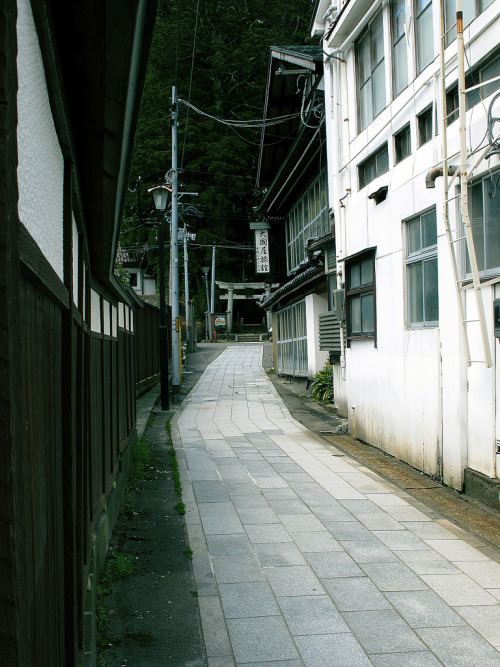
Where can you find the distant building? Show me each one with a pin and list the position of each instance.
(292, 168)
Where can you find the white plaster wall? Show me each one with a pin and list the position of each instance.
(95, 311)
(316, 359)
(75, 263)
(40, 161)
(149, 288)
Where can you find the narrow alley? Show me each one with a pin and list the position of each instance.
(304, 557)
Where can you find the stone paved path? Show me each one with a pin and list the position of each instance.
(304, 557)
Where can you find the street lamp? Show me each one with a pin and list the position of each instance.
(205, 270)
(160, 197)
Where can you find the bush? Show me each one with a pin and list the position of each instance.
(322, 384)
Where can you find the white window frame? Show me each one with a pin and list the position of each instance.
(484, 248)
(423, 14)
(399, 46)
(376, 77)
(421, 256)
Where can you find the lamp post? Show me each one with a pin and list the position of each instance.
(205, 270)
(174, 259)
(160, 197)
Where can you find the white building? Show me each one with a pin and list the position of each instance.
(404, 377)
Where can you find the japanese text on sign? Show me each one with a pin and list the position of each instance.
(262, 251)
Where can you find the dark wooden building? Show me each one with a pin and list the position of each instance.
(71, 77)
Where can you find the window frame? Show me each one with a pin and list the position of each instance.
(419, 18)
(359, 291)
(421, 256)
(303, 217)
(486, 272)
(395, 43)
(423, 116)
(450, 16)
(373, 159)
(369, 33)
(404, 131)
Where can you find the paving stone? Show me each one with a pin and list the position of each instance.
(406, 659)
(393, 577)
(486, 620)
(355, 594)
(293, 580)
(333, 649)
(427, 562)
(277, 554)
(460, 647)
(316, 541)
(262, 639)
(335, 564)
(371, 551)
(458, 590)
(424, 609)
(382, 632)
(267, 533)
(237, 568)
(311, 615)
(245, 600)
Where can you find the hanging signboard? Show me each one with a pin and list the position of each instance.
(262, 264)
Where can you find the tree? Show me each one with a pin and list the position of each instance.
(216, 54)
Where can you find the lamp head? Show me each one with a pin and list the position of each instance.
(160, 196)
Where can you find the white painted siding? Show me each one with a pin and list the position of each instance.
(40, 160)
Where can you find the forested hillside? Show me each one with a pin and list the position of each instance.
(216, 53)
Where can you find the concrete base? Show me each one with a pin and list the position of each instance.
(486, 489)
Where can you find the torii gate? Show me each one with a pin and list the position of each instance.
(230, 296)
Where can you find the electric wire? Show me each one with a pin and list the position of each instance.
(191, 78)
(248, 124)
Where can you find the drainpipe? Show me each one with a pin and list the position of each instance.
(436, 172)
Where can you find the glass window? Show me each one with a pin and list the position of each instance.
(402, 143)
(399, 49)
(484, 211)
(470, 8)
(425, 36)
(308, 218)
(371, 72)
(424, 123)
(360, 296)
(373, 166)
(487, 69)
(422, 270)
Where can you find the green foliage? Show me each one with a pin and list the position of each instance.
(141, 464)
(322, 385)
(116, 566)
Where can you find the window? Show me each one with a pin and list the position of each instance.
(488, 69)
(291, 340)
(422, 270)
(133, 279)
(424, 123)
(402, 143)
(307, 219)
(360, 295)
(399, 50)
(452, 103)
(371, 72)
(484, 211)
(470, 8)
(424, 36)
(372, 167)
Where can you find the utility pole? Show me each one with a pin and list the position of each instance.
(174, 259)
(212, 306)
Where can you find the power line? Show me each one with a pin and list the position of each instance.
(248, 124)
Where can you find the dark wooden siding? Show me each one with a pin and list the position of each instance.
(147, 323)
